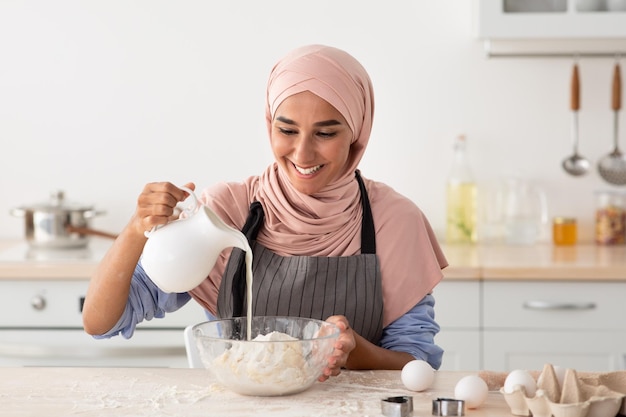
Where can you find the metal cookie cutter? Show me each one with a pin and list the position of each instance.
(397, 406)
(448, 407)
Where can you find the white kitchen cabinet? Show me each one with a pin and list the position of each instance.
(577, 325)
(518, 324)
(461, 349)
(597, 351)
(457, 310)
(549, 19)
(41, 325)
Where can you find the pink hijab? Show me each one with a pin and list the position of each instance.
(329, 222)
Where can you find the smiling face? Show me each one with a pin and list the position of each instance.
(310, 141)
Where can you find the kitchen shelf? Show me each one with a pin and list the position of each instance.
(558, 29)
(568, 49)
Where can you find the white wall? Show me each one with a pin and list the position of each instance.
(99, 97)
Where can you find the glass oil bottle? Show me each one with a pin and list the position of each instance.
(461, 197)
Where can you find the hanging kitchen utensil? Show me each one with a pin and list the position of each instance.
(612, 168)
(576, 164)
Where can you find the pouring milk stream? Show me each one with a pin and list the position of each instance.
(179, 255)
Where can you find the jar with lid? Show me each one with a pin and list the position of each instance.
(610, 218)
(564, 231)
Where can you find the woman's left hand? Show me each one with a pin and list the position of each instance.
(343, 346)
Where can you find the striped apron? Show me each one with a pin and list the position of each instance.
(307, 286)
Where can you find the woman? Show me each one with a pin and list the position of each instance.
(367, 258)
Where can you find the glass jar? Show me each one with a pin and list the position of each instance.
(564, 231)
(610, 218)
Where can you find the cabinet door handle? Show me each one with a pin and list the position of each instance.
(554, 305)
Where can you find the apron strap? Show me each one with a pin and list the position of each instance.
(254, 221)
(368, 231)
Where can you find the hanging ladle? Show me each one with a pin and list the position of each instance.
(612, 168)
(576, 164)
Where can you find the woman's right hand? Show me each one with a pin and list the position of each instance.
(110, 284)
(156, 205)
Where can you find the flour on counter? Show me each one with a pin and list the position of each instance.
(266, 369)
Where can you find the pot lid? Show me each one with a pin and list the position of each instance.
(57, 203)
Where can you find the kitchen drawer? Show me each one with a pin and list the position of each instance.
(74, 347)
(554, 305)
(457, 304)
(57, 303)
(596, 351)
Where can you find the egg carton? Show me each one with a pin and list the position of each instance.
(574, 398)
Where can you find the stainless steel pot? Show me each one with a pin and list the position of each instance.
(58, 224)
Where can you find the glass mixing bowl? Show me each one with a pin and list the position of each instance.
(285, 355)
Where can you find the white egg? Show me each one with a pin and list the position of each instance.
(472, 389)
(522, 378)
(417, 375)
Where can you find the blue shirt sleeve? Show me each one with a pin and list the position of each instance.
(145, 302)
(415, 332)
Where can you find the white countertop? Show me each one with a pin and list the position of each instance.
(153, 392)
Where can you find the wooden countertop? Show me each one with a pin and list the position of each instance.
(193, 392)
(583, 262)
(19, 261)
(587, 262)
